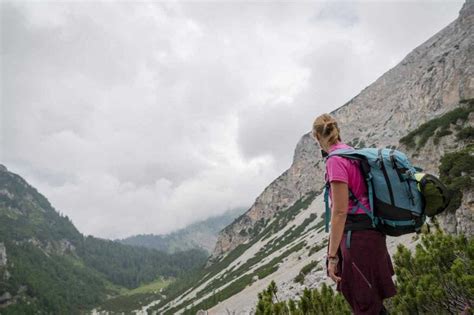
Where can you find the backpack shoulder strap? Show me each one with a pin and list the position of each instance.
(339, 152)
(351, 154)
(327, 213)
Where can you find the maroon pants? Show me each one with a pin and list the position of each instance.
(366, 271)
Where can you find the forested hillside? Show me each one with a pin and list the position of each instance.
(48, 265)
(201, 234)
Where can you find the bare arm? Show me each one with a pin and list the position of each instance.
(340, 202)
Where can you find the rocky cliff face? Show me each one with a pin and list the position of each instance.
(282, 192)
(428, 157)
(428, 82)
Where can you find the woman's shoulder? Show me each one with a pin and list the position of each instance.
(336, 159)
(341, 162)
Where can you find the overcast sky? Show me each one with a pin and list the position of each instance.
(146, 117)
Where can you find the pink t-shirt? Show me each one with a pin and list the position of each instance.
(347, 171)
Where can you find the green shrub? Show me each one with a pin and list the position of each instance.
(299, 278)
(419, 136)
(456, 170)
(316, 248)
(441, 133)
(317, 301)
(465, 134)
(243, 232)
(305, 270)
(437, 279)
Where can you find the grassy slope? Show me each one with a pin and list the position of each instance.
(135, 299)
(234, 280)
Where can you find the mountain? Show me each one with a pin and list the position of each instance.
(423, 106)
(201, 234)
(48, 266)
(428, 82)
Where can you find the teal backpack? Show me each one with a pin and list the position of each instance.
(399, 195)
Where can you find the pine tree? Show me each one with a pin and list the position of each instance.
(438, 278)
(323, 301)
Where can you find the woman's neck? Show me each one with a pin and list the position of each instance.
(335, 144)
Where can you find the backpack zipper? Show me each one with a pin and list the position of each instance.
(365, 279)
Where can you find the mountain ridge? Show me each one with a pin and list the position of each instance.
(202, 234)
(432, 79)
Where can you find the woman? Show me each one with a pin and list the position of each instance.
(358, 261)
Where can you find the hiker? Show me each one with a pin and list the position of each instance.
(360, 264)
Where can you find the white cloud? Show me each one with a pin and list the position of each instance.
(145, 117)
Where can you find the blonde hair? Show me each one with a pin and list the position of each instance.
(325, 127)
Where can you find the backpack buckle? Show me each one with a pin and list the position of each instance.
(378, 162)
(392, 159)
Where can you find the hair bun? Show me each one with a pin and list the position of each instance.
(329, 126)
(325, 126)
